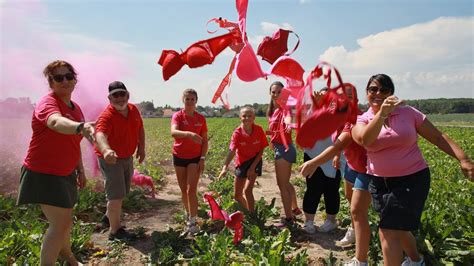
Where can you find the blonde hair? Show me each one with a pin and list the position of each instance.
(247, 108)
(190, 91)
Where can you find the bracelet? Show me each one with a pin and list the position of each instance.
(79, 128)
(203, 157)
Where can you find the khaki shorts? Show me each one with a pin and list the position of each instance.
(117, 177)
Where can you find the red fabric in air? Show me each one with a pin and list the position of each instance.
(171, 63)
(271, 48)
(287, 68)
(203, 52)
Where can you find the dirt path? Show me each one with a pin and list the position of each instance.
(168, 203)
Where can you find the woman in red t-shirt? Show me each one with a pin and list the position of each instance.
(284, 157)
(53, 162)
(189, 130)
(248, 142)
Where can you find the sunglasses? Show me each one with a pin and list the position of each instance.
(382, 90)
(60, 78)
(119, 94)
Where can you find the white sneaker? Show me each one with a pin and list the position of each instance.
(327, 226)
(349, 238)
(355, 262)
(409, 262)
(309, 228)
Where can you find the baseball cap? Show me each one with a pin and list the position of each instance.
(116, 86)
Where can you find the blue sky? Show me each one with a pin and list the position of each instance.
(426, 46)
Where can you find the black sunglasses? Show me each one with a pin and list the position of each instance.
(382, 90)
(119, 94)
(60, 78)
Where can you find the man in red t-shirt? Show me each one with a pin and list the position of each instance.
(119, 133)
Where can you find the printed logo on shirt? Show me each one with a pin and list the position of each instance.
(198, 124)
(243, 143)
(256, 142)
(185, 122)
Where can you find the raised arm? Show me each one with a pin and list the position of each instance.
(63, 125)
(103, 145)
(428, 131)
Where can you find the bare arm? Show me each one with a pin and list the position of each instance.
(428, 131)
(228, 159)
(179, 134)
(63, 125)
(309, 167)
(204, 148)
(365, 135)
(103, 145)
(141, 145)
(81, 174)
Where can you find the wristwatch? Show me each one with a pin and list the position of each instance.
(79, 128)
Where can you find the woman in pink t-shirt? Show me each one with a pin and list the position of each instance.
(189, 130)
(53, 167)
(400, 177)
(284, 157)
(247, 143)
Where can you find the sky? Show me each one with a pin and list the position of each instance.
(426, 46)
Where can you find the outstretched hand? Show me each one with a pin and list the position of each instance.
(389, 104)
(88, 131)
(467, 168)
(307, 169)
(110, 156)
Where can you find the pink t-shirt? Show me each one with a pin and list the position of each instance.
(355, 154)
(247, 146)
(274, 125)
(51, 152)
(395, 152)
(185, 148)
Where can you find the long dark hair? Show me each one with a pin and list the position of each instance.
(271, 106)
(384, 81)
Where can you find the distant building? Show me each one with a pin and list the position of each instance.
(168, 113)
(16, 108)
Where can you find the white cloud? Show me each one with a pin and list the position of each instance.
(428, 60)
(270, 28)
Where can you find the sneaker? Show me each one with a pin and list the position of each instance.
(355, 262)
(122, 234)
(192, 228)
(309, 228)
(349, 238)
(409, 262)
(297, 212)
(327, 226)
(284, 222)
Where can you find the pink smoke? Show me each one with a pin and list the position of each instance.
(27, 46)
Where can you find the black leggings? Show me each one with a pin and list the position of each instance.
(319, 184)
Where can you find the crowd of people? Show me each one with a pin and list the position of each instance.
(381, 163)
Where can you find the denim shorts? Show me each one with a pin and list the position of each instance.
(359, 181)
(399, 201)
(280, 152)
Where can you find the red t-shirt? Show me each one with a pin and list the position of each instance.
(51, 152)
(274, 126)
(247, 146)
(122, 132)
(355, 154)
(185, 148)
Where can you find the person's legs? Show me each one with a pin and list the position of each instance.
(409, 245)
(60, 222)
(239, 184)
(181, 175)
(391, 246)
(359, 211)
(114, 210)
(249, 193)
(192, 174)
(283, 173)
(294, 200)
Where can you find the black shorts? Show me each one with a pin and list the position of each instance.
(241, 170)
(399, 201)
(59, 191)
(184, 162)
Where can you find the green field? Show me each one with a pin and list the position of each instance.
(446, 235)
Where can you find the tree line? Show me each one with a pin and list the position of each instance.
(427, 106)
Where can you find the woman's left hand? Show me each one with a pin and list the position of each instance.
(467, 168)
(81, 179)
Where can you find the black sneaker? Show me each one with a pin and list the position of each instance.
(122, 234)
